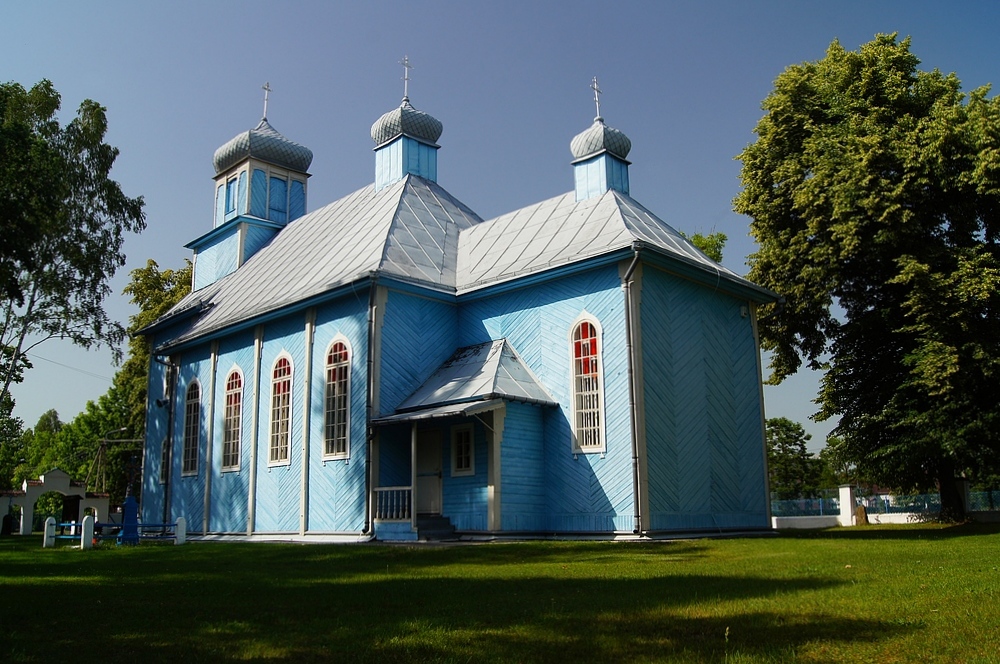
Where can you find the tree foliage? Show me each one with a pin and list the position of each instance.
(874, 193)
(116, 420)
(711, 245)
(792, 471)
(63, 221)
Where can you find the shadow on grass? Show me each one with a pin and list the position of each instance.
(923, 531)
(499, 603)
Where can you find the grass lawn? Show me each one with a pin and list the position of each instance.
(878, 594)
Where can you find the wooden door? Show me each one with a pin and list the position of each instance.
(428, 487)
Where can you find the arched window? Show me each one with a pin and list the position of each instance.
(192, 429)
(338, 383)
(232, 421)
(281, 411)
(588, 397)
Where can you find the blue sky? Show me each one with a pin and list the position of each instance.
(684, 80)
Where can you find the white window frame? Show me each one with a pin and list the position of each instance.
(576, 382)
(281, 412)
(232, 438)
(328, 441)
(191, 438)
(458, 432)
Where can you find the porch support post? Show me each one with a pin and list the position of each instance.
(413, 476)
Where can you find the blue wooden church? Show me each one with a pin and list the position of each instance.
(572, 367)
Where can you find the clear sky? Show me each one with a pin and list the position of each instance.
(509, 80)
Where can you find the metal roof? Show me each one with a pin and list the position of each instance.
(409, 230)
(561, 231)
(408, 121)
(491, 370)
(599, 138)
(263, 142)
(416, 231)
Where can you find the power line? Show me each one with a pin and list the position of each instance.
(66, 366)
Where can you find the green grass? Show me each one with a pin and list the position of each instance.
(878, 594)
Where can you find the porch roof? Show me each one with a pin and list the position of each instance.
(474, 379)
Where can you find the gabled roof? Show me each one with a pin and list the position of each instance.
(491, 370)
(562, 230)
(408, 230)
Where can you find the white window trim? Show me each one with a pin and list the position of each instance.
(455, 432)
(287, 461)
(184, 431)
(346, 454)
(586, 317)
(225, 407)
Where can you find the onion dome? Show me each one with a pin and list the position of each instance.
(600, 138)
(265, 143)
(407, 121)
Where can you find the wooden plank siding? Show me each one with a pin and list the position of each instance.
(187, 495)
(278, 486)
(228, 507)
(522, 475)
(418, 335)
(155, 437)
(337, 487)
(702, 408)
(464, 499)
(584, 492)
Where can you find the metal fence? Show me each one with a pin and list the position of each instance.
(927, 503)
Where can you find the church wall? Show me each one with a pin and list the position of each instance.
(337, 486)
(418, 334)
(187, 494)
(522, 469)
(279, 485)
(584, 492)
(704, 446)
(464, 498)
(217, 259)
(229, 488)
(152, 494)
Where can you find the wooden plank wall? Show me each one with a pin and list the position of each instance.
(702, 408)
(584, 492)
(337, 487)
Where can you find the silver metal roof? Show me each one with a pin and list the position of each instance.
(491, 370)
(409, 230)
(263, 142)
(409, 121)
(561, 231)
(416, 231)
(600, 138)
(451, 410)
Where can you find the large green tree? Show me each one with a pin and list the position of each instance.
(874, 193)
(63, 221)
(792, 471)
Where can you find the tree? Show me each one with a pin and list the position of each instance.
(11, 449)
(711, 245)
(63, 221)
(874, 193)
(791, 470)
(154, 292)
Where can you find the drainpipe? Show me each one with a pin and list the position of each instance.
(370, 401)
(167, 459)
(632, 388)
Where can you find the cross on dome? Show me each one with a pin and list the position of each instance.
(597, 100)
(406, 75)
(267, 90)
